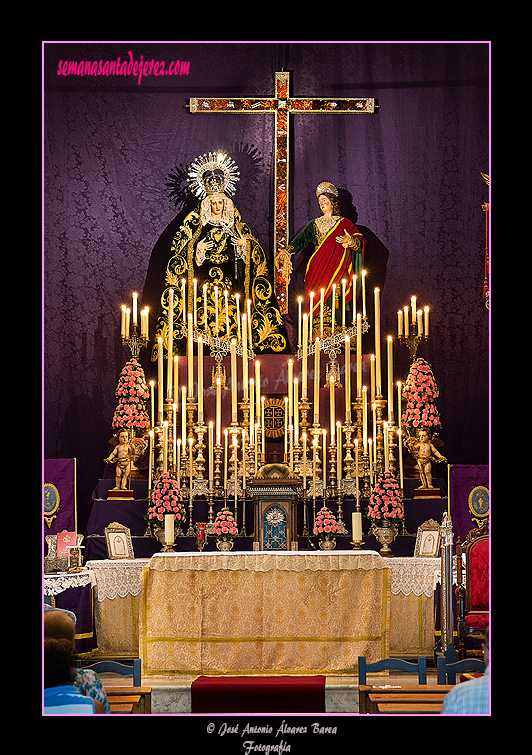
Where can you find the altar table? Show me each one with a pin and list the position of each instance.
(118, 585)
(264, 613)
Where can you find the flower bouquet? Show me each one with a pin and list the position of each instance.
(225, 529)
(132, 394)
(385, 510)
(326, 527)
(165, 499)
(419, 393)
(386, 501)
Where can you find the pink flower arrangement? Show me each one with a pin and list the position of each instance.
(224, 525)
(166, 499)
(132, 393)
(325, 525)
(386, 501)
(419, 392)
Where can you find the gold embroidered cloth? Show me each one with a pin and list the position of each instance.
(264, 613)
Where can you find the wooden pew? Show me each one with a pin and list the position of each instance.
(124, 703)
(392, 691)
(412, 709)
(115, 693)
(414, 702)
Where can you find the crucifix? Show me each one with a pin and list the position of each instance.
(281, 105)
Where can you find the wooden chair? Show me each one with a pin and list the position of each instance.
(447, 671)
(387, 664)
(473, 598)
(125, 698)
(393, 664)
(385, 701)
(124, 695)
(410, 708)
(113, 667)
(418, 694)
(124, 703)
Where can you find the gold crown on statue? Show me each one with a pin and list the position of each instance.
(213, 173)
(326, 187)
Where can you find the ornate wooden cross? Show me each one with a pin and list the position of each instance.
(281, 105)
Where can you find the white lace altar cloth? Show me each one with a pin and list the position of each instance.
(117, 578)
(55, 584)
(415, 576)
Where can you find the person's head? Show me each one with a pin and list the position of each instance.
(217, 204)
(59, 633)
(328, 201)
(327, 195)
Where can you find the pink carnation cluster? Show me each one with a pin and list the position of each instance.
(166, 499)
(132, 393)
(386, 501)
(224, 525)
(325, 525)
(419, 393)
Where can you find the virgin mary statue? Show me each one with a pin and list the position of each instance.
(217, 269)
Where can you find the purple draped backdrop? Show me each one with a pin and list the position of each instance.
(413, 170)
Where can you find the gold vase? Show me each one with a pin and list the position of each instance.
(224, 545)
(327, 545)
(385, 535)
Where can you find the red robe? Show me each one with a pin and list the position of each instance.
(331, 263)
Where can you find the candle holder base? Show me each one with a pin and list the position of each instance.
(357, 544)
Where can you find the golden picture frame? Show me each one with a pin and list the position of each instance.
(428, 540)
(118, 541)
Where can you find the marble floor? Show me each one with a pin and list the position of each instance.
(171, 695)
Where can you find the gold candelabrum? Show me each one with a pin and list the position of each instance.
(346, 466)
(413, 326)
(129, 327)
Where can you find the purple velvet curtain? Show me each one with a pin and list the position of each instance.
(114, 148)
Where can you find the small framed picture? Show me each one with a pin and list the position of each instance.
(428, 540)
(118, 539)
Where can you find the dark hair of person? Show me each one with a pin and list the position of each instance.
(57, 662)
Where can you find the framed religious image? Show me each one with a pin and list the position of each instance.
(118, 539)
(428, 540)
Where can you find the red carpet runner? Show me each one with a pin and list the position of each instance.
(255, 694)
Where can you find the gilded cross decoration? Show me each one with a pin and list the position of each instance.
(281, 105)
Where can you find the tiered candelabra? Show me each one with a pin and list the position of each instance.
(334, 462)
(413, 326)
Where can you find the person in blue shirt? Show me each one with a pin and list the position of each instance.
(472, 697)
(60, 696)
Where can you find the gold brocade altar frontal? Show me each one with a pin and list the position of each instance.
(263, 613)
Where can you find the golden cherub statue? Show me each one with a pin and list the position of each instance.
(425, 452)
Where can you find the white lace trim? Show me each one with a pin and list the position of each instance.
(54, 584)
(118, 577)
(121, 577)
(415, 576)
